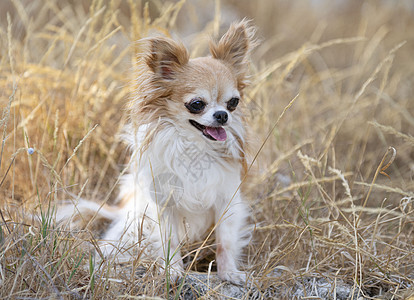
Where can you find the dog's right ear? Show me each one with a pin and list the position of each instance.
(234, 48)
(165, 57)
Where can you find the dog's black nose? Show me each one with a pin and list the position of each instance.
(221, 116)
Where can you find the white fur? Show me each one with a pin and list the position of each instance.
(208, 196)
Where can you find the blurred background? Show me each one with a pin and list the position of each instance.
(61, 40)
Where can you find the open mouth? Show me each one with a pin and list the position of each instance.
(213, 133)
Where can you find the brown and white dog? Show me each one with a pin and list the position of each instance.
(187, 131)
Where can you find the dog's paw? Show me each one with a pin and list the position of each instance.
(235, 277)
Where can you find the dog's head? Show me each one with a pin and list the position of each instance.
(200, 96)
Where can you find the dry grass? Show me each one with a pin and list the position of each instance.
(326, 201)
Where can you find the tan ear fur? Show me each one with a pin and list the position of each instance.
(234, 47)
(166, 57)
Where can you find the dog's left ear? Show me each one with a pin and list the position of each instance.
(166, 57)
(234, 47)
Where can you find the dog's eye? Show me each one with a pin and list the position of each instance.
(232, 103)
(195, 106)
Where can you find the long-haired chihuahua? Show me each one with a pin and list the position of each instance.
(187, 134)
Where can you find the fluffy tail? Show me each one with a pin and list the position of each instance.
(86, 215)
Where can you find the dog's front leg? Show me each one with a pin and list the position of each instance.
(231, 238)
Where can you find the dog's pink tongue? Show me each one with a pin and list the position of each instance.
(219, 133)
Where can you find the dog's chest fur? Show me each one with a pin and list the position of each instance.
(183, 179)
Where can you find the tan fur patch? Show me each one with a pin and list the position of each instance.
(166, 75)
(91, 221)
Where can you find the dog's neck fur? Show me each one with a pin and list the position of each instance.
(196, 161)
